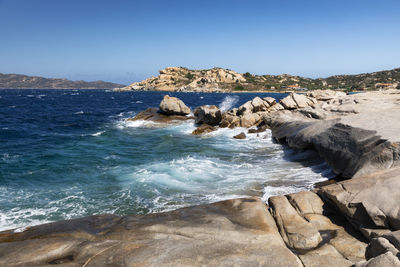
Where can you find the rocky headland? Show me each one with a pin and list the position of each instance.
(353, 220)
(19, 81)
(182, 79)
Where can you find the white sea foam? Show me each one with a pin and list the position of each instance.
(228, 102)
(79, 112)
(98, 133)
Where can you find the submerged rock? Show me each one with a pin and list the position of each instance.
(204, 128)
(240, 136)
(173, 106)
(210, 115)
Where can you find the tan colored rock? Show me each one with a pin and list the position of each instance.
(246, 108)
(325, 95)
(303, 101)
(306, 202)
(238, 232)
(297, 232)
(173, 106)
(229, 120)
(210, 115)
(326, 256)
(288, 102)
(259, 104)
(249, 120)
(276, 107)
(270, 100)
(369, 201)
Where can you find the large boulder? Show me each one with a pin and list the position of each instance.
(249, 120)
(229, 119)
(210, 115)
(255, 105)
(173, 106)
(295, 101)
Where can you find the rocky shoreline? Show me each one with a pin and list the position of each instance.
(353, 222)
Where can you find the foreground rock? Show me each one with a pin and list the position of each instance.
(210, 115)
(173, 106)
(238, 232)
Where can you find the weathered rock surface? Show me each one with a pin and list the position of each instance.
(173, 106)
(295, 101)
(370, 201)
(238, 232)
(315, 231)
(203, 129)
(353, 143)
(210, 115)
(295, 230)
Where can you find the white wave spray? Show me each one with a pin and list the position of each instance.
(228, 102)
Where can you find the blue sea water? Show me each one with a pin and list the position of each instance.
(71, 153)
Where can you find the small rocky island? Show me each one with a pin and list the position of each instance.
(182, 79)
(353, 220)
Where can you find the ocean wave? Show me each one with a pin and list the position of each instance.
(79, 112)
(98, 133)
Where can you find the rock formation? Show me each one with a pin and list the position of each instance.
(173, 106)
(207, 114)
(353, 222)
(183, 79)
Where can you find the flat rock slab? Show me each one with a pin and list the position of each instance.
(152, 114)
(238, 232)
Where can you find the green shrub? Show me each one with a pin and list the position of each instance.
(238, 88)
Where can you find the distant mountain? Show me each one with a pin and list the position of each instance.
(18, 81)
(224, 80)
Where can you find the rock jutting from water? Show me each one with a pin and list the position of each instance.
(353, 222)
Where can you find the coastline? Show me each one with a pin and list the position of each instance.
(334, 222)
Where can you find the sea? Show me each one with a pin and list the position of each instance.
(70, 153)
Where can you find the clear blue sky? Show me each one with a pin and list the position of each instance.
(126, 41)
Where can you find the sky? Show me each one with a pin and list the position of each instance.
(127, 41)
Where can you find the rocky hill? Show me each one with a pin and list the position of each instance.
(218, 79)
(18, 81)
